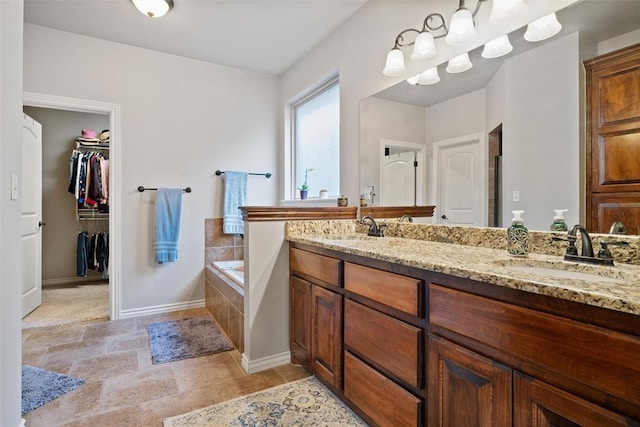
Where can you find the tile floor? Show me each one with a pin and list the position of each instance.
(123, 387)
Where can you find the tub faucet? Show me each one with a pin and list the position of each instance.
(374, 230)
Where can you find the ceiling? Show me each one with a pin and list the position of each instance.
(596, 20)
(264, 36)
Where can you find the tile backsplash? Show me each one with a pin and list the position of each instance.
(219, 246)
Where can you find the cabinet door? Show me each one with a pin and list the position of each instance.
(537, 404)
(326, 335)
(465, 388)
(300, 320)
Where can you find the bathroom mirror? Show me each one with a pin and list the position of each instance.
(526, 110)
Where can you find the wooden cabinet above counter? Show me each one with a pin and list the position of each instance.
(435, 346)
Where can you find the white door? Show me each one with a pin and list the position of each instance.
(399, 179)
(31, 215)
(459, 181)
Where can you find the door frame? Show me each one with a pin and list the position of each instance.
(54, 102)
(435, 171)
(421, 179)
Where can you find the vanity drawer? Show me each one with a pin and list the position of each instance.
(394, 290)
(382, 400)
(588, 354)
(323, 268)
(385, 341)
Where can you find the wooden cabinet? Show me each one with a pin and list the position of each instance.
(315, 318)
(541, 405)
(326, 335)
(466, 389)
(299, 320)
(613, 140)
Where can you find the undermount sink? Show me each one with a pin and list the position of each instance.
(565, 270)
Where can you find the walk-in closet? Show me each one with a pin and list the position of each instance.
(75, 213)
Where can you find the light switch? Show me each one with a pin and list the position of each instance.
(516, 195)
(14, 186)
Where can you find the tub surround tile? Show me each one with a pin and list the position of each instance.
(479, 254)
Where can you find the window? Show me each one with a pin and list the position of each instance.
(316, 140)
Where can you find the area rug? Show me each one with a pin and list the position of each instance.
(62, 304)
(305, 402)
(40, 387)
(186, 338)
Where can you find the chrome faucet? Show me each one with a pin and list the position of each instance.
(407, 217)
(374, 230)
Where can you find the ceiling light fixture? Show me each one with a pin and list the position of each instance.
(153, 8)
(461, 30)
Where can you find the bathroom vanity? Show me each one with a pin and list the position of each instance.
(415, 332)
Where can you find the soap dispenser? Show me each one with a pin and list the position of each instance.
(517, 236)
(559, 223)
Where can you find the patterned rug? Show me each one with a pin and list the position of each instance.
(186, 338)
(305, 402)
(40, 387)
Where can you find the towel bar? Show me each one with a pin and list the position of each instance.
(143, 188)
(268, 174)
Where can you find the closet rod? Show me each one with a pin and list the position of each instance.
(143, 188)
(268, 174)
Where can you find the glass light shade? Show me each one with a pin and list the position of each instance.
(497, 47)
(459, 64)
(461, 29)
(153, 8)
(543, 28)
(424, 47)
(395, 63)
(505, 10)
(413, 80)
(429, 76)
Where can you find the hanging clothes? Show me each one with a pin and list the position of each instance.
(82, 253)
(89, 179)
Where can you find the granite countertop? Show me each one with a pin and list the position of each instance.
(615, 288)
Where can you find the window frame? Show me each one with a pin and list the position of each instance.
(316, 91)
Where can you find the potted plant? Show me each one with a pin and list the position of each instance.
(304, 188)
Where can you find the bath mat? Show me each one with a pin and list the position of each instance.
(40, 387)
(305, 402)
(186, 338)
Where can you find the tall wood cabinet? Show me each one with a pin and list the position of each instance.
(613, 140)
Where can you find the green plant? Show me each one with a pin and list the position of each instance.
(305, 186)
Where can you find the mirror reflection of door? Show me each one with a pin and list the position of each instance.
(403, 171)
(459, 180)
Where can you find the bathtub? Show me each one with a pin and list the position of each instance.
(234, 270)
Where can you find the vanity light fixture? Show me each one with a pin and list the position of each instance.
(459, 64)
(429, 76)
(543, 28)
(153, 8)
(497, 47)
(461, 30)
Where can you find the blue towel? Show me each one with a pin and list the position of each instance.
(167, 224)
(235, 194)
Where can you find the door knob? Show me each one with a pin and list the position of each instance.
(444, 217)
(41, 224)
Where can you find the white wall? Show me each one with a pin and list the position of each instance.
(382, 119)
(358, 49)
(11, 17)
(181, 120)
(541, 133)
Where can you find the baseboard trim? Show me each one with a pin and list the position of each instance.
(161, 309)
(264, 363)
(69, 280)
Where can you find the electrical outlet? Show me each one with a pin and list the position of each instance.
(516, 195)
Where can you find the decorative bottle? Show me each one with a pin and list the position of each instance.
(517, 236)
(559, 224)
